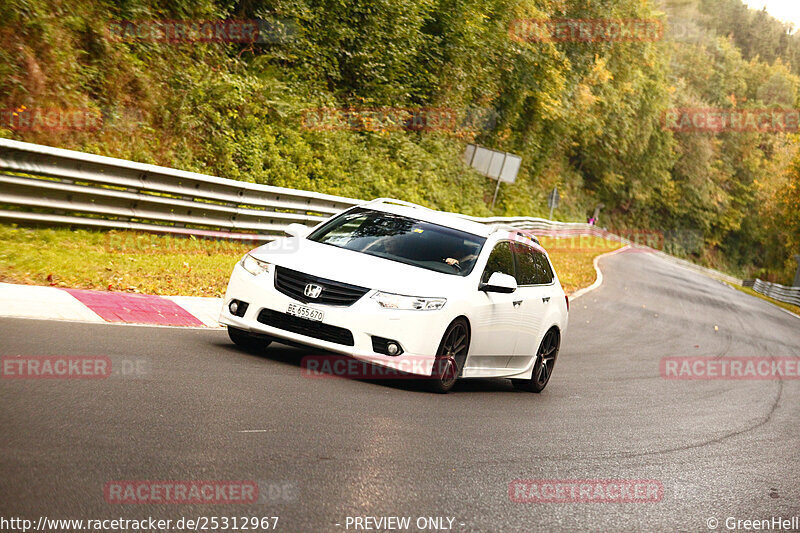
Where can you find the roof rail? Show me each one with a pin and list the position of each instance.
(515, 230)
(395, 201)
(501, 226)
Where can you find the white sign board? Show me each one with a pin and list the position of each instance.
(501, 166)
(510, 168)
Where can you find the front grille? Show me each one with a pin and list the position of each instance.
(292, 283)
(310, 328)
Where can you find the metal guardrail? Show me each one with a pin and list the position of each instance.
(782, 293)
(56, 186)
(41, 184)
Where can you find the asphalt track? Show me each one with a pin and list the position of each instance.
(332, 448)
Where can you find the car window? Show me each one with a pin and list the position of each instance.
(544, 272)
(500, 260)
(526, 264)
(402, 239)
(533, 268)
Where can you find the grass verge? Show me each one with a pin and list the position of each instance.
(573, 258)
(161, 264)
(117, 261)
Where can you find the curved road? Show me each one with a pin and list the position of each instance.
(324, 449)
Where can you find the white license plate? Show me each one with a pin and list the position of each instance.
(305, 312)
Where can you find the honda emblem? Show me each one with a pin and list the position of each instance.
(312, 291)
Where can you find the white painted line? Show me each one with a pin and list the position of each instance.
(48, 303)
(599, 281)
(206, 310)
(253, 430)
(786, 311)
(37, 302)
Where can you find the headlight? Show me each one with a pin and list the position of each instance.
(388, 300)
(253, 265)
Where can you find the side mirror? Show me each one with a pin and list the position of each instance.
(499, 282)
(297, 230)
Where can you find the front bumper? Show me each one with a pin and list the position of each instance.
(418, 332)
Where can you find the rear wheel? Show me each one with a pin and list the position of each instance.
(450, 356)
(248, 341)
(545, 361)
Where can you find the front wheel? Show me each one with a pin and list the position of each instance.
(450, 356)
(248, 341)
(545, 361)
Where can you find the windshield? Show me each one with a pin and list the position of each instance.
(402, 239)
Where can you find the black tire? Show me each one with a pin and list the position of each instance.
(545, 362)
(248, 341)
(450, 356)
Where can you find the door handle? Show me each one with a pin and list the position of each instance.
(546, 299)
(517, 303)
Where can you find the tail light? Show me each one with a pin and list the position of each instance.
(567, 299)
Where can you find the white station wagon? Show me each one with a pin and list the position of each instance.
(402, 286)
